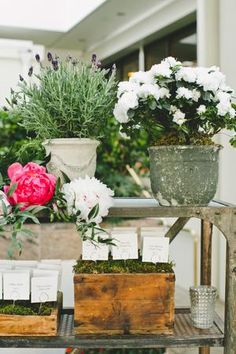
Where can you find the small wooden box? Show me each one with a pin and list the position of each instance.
(18, 325)
(124, 303)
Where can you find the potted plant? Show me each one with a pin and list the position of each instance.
(181, 109)
(67, 106)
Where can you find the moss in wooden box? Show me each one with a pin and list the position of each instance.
(25, 308)
(123, 297)
(26, 319)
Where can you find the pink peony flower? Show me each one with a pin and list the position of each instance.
(34, 185)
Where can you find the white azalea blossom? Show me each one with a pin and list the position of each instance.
(121, 113)
(126, 86)
(223, 108)
(83, 194)
(179, 117)
(201, 109)
(171, 93)
(196, 95)
(147, 90)
(186, 74)
(142, 77)
(172, 62)
(183, 92)
(162, 69)
(173, 109)
(164, 92)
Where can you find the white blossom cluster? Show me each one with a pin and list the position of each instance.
(202, 88)
(83, 194)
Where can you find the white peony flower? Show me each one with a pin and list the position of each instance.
(183, 92)
(172, 62)
(164, 92)
(141, 77)
(147, 90)
(201, 109)
(179, 117)
(186, 74)
(162, 69)
(83, 194)
(196, 95)
(126, 86)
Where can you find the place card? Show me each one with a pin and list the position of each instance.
(16, 285)
(155, 249)
(48, 273)
(98, 252)
(126, 246)
(0, 286)
(44, 288)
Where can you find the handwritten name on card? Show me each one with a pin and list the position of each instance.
(16, 285)
(155, 249)
(126, 246)
(43, 289)
(93, 252)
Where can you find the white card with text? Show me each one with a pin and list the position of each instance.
(126, 246)
(16, 285)
(48, 273)
(44, 288)
(98, 252)
(0, 286)
(155, 249)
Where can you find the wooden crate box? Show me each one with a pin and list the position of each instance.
(124, 303)
(18, 325)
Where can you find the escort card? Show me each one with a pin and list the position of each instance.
(0, 286)
(48, 273)
(155, 249)
(126, 246)
(16, 285)
(44, 289)
(98, 252)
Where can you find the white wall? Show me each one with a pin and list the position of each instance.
(15, 58)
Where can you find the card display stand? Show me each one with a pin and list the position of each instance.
(220, 214)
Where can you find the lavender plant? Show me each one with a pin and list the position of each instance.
(68, 99)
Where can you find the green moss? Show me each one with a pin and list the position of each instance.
(121, 266)
(25, 308)
(180, 139)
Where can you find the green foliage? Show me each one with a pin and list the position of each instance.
(25, 308)
(69, 99)
(113, 156)
(14, 143)
(121, 266)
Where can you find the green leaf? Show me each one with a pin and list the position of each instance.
(1, 180)
(4, 208)
(12, 189)
(93, 212)
(66, 178)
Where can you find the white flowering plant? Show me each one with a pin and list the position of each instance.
(87, 201)
(176, 104)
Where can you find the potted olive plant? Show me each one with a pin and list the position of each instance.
(67, 106)
(181, 109)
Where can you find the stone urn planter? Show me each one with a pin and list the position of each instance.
(73, 156)
(184, 175)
